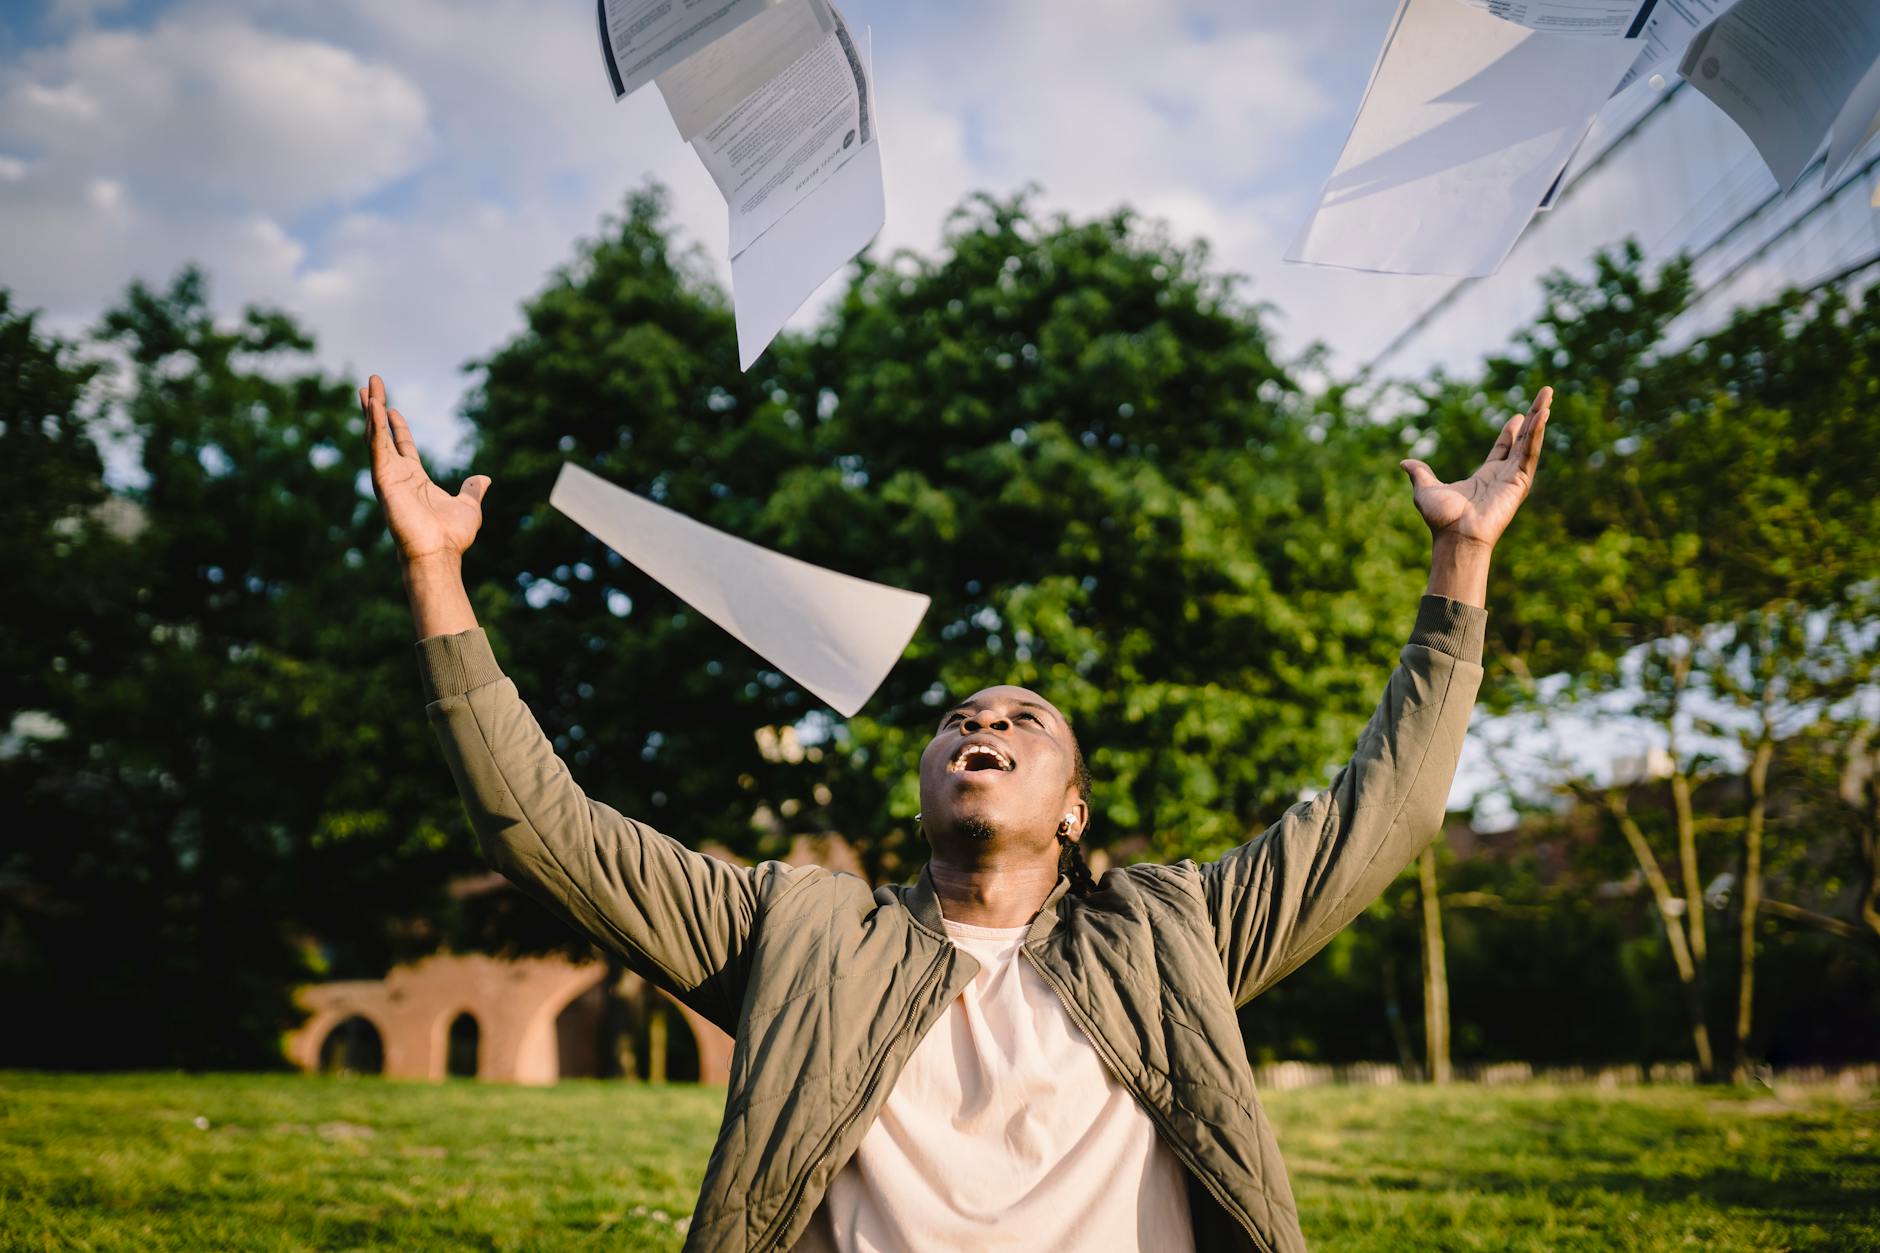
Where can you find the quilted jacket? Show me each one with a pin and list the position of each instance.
(827, 985)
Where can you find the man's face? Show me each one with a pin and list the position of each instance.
(1000, 772)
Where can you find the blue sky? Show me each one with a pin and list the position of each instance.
(403, 174)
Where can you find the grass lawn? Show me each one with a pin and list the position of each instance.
(160, 1162)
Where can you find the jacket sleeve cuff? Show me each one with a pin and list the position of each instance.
(450, 665)
(1449, 626)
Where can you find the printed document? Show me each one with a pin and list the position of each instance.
(1466, 124)
(1668, 34)
(641, 38)
(836, 635)
(1784, 70)
(710, 84)
(1606, 19)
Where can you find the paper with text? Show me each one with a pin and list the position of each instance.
(642, 38)
(1784, 70)
(836, 635)
(1605, 19)
(1467, 123)
(1673, 24)
(711, 83)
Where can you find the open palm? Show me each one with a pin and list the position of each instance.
(425, 520)
(1480, 507)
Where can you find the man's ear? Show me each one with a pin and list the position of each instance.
(1076, 813)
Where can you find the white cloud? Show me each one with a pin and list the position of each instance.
(403, 176)
(201, 114)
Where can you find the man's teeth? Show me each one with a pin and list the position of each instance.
(978, 752)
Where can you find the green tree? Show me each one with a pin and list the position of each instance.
(233, 766)
(1697, 495)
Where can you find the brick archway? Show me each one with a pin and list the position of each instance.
(515, 1004)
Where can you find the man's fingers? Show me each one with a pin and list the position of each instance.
(1421, 476)
(378, 427)
(1504, 442)
(474, 487)
(1533, 439)
(401, 435)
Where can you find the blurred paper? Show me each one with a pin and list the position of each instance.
(1783, 70)
(1669, 33)
(1858, 124)
(837, 636)
(1466, 125)
(711, 83)
(1606, 19)
(643, 38)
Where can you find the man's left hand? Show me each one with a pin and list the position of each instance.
(1476, 510)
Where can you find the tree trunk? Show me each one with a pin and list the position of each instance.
(656, 1026)
(1750, 901)
(1668, 912)
(1687, 823)
(1393, 1009)
(1435, 974)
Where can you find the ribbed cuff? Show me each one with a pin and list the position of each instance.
(1449, 626)
(450, 665)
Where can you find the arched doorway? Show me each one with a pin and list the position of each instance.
(354, 1047)
(460, 1056)
(626, 1030)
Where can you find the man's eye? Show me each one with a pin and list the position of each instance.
(1031, 718)
(951, 719)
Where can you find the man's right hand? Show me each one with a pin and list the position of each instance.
(427, 522)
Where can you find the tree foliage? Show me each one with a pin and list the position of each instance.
(221, 763)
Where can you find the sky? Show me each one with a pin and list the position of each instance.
(402, 175)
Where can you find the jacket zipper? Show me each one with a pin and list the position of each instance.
(1156, 1116)
(774, 1232)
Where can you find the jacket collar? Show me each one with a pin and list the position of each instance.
(923, 902)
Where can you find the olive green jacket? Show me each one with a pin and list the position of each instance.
(827, 984)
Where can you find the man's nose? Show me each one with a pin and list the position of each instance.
(976, 723)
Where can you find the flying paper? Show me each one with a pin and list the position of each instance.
(1669, 33)
(640, 38)
(1466, 124)
(1858, 124)
(776, 97)
(1607, 19)
(1784, 70)
(837, 636)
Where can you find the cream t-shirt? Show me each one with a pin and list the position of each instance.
(1005, 1131)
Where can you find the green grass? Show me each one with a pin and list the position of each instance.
(160, 1162)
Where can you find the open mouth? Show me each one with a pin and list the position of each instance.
(976, 757)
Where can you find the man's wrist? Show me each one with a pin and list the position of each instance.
(432, 566)
(1459, 569)
(439, 603)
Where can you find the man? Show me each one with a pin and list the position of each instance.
(1005, 1054)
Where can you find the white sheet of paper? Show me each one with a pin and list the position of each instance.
(1466, 124)
(641, 39)
(1858, 124)
(1783, 70)
(836, 635)
(1669, 32)
(783, 267)
(1605, 19)
(711, 82)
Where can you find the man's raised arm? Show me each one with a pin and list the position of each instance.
(678, 917)
(1279, 898)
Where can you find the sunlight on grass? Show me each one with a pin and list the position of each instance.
(171, 1162)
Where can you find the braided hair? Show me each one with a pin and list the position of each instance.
(1071, 859)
